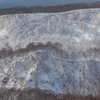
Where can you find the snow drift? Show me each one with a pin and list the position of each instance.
(58, 52)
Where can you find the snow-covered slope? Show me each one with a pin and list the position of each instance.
(55, 51)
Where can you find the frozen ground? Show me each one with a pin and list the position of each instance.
(64, 57)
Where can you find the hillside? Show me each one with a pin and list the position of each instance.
(56, 52)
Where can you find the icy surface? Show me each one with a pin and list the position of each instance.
(75, 67)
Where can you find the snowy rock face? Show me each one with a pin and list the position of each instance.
(57, 51)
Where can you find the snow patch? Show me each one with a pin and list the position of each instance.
(3, 33)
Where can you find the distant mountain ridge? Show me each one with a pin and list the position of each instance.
(49, 9)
